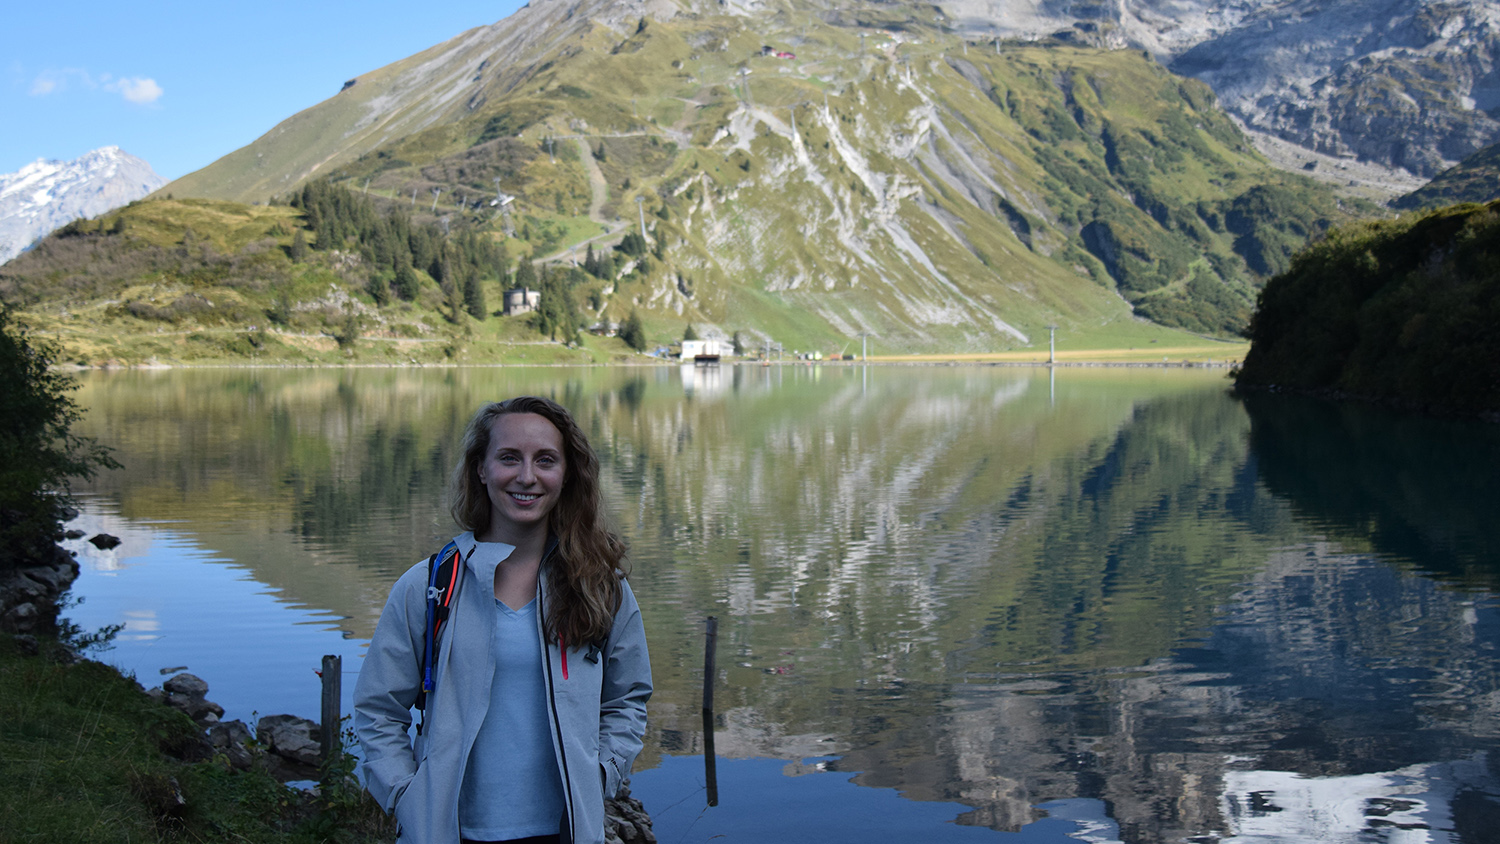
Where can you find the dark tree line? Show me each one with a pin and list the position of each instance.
(396, 248)
(1401, 311)
(606, 265)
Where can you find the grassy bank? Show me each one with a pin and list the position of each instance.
(88, 757)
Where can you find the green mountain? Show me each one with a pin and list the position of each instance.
(1475, 179)
(805, 175)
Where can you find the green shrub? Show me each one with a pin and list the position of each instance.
(39, 453)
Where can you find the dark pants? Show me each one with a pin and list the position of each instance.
(535, 839)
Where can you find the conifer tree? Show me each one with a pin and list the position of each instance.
(633, 332)
(691, 333)
(557, 315)
(502, 262)
(526, 275)
(379, 288)
(299, 246)
(453, 300)
(474, 294)
(406, 284)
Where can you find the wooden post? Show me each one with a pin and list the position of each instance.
(710, 774)
(333, 669)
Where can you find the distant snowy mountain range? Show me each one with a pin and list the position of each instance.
(44, 194)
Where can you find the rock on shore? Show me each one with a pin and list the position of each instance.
(30, 597)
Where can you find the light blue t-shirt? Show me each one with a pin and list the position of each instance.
(511, 787)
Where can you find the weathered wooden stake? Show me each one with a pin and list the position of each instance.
(710, 773)
(333, 672)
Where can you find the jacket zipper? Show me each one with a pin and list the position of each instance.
(562, 744)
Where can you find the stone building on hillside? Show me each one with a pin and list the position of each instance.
(520, 300)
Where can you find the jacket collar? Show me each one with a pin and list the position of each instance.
(483, 570)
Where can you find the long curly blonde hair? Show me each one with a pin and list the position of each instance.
(585, 570)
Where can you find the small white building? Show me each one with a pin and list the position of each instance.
(702, 349)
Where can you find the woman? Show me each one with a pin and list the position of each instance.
(540, 676)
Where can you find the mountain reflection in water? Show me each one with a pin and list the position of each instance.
(994, 587)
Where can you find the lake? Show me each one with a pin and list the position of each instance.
(955, 603)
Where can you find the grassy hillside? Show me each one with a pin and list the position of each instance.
(1400, 311)
(1475, 179)
(209, 281)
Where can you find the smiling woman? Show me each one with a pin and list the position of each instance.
(540, 674)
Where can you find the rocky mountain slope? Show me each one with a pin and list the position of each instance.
(1408, 84)
(943, 191)
(1412, 84)
(45, 195)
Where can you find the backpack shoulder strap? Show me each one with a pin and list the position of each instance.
(443, 576)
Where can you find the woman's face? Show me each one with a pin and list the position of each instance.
(523, 471)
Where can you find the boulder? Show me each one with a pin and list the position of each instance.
(29, 596)
(185, 693)
(190, 685)
(291, 737)
(626, 821)
(232, 738)
(21, 618)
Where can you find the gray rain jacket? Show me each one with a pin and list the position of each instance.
(596, 700)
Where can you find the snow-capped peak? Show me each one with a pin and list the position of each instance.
(48, 193)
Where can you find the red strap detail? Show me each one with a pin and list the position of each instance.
(452, 579)
(563, 646)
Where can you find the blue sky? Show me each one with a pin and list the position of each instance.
(181, 84)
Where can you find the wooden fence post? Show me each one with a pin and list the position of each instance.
(333, 671)
(710, 773)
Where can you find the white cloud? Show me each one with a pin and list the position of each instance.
(57, 81)
(137, 89)
(140, 90)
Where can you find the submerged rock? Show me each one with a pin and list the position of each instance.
(105, 541)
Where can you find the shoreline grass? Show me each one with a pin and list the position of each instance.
(91, 758)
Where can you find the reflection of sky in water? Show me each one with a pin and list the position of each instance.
(1413, 804)
(182, 606)
(760, 802)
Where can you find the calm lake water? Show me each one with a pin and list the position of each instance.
(954, 603)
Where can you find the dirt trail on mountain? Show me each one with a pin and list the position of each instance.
(599, 194)
(598, 188)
